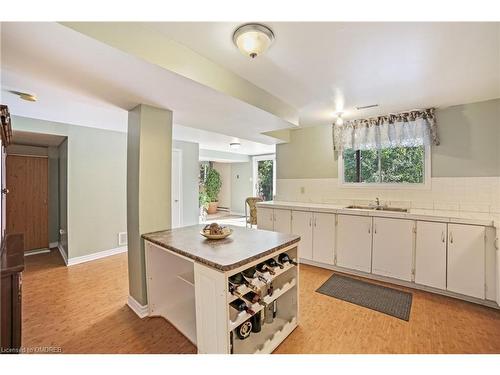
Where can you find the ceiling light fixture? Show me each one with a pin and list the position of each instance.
(235, 145)
(253, 39)
(25, 96)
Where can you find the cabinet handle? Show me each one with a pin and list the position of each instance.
(310, 221)
(375, 228)
(442, 236)
(315, 221)
(369, 229)
(451, 237)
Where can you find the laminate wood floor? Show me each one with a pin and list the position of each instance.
(82, 309)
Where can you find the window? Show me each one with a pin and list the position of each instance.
(400, 165)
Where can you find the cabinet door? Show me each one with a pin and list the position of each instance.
(265, 218)
(392, 248)
(323, 237)
(430, 254)
(354, 242)
(466, 259)
(282, 221)
(302, 226)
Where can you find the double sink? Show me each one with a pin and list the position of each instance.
(378, 208)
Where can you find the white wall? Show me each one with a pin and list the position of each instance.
(190, 172)
(241, 186)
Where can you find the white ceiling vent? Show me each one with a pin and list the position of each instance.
(122, 238)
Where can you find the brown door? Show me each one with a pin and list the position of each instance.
(27, 209)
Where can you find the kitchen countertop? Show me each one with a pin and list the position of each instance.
(458, 217)
(243, 246)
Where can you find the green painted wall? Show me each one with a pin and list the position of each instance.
(470, 146)
(53, 194)
(63, 195)
(470, 141)
(149, 202)
(96, 183)
(308, 155)
(241, 185)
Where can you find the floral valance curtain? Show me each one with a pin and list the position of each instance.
(406, 129)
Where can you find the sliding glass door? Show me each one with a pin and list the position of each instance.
(264, 176)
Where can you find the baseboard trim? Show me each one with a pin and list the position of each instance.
(140, 310)
(35, 252)
(63, 253)
(407, 284)
(53, 244)
(95, 256)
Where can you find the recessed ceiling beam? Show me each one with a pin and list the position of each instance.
(154, 47)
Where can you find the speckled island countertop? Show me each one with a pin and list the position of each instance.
(243, 246)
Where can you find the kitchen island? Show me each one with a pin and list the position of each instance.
(199, 287)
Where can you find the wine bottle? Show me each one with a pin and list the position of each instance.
(257, 322)
(241, 305)
(284, 258)
(263, 267)
(233, 289)
(243, 331)
(272, 263)
(252, 297)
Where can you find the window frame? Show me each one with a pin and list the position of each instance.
(426, 185)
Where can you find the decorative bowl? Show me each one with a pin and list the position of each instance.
(226, 232)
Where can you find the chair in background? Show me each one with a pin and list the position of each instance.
(251, 210)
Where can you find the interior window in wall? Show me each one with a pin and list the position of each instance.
(393, 149)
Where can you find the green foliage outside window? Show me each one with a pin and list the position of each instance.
(265, 178)
(390, 165)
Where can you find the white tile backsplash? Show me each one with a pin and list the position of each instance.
(472, 194)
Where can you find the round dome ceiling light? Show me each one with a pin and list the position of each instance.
(235, 145)
(253, 39)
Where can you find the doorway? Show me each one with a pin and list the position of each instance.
(176, 188)
(264, 176)
(27, 203)
(36, 180)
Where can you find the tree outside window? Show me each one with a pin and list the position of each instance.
(389, 165)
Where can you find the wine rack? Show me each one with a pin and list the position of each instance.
(285, 297)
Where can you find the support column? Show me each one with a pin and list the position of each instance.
(149, 164)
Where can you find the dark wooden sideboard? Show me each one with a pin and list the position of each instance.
(12, 266)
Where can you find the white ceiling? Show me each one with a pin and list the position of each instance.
(219, 142)
(319, 67)
(71, 73)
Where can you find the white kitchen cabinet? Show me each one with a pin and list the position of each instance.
(354, 242)
(302, 226)
(466, 260)
(277, 220)
(282, 221)
(265, 218)
(392, 253)
(430, 254)
(323, 237)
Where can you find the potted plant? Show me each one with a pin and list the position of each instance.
(203, 201)
(212, 188)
